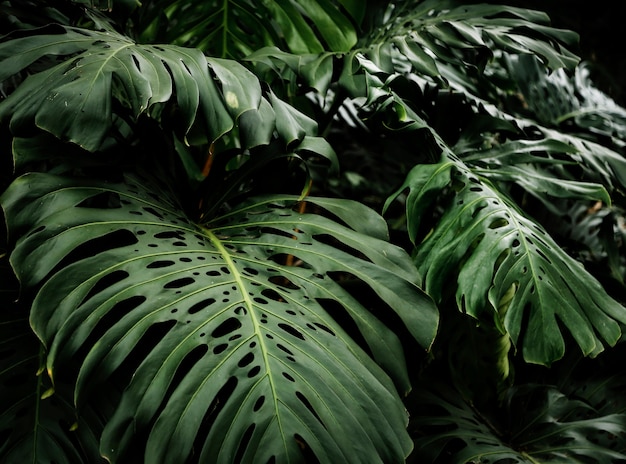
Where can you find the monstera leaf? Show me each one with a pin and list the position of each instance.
(484, 242)
(233, 29)
(81, 99)
(224, 347)
(427, 40)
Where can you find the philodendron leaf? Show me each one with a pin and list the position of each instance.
(485, 244)
(75, 99)
(226, 350)
(235, 28)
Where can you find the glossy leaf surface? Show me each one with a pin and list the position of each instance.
(241, 356)
(489, 247)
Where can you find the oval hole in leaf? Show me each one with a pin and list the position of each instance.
(324, 328)
(153, 211)
(170, 234)
(259, 403)
(291, 330)
(102, 200)
(179, 283)
(246, 360)
(161, 263)
(201, 305)
(283, 282)
(155, 333)
(272, 295)
(220, 348)
(497, 223)
(283, 348)
(228, 326)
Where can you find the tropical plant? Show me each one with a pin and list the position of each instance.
(315, 231)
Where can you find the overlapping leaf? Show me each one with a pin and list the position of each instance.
(427, 38)
(235, 28)
(227, 351)
(542, 425)
(78, 99)
(35, 426)
(489, 247)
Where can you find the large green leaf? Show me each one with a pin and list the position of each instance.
(424, 40)
(489, 247)
(235, 28)
(225, 349)
(79, 99)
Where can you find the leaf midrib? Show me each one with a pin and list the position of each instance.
(217, 243)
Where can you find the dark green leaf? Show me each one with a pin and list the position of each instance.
(235, 342)
(485, 244)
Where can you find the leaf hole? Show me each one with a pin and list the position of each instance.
(220, 348)
(291, 331)
(102, 200)
(324, 328)
(259, 403)
(542, 254)
(243, 444)
(199, 306)
(272, 295)
(213, 411)
(106, 282)
(246, 360)
(180, 283)
(118, 239)
(153, 211)
(227, 327)
(285, 349)
(283, 282)
(160, 264)
(498, 223)
(303, 399)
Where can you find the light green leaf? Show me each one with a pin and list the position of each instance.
(211, 328)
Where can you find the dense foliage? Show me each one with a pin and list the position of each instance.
(307, 231)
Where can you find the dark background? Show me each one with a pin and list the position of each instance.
(602, 28)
